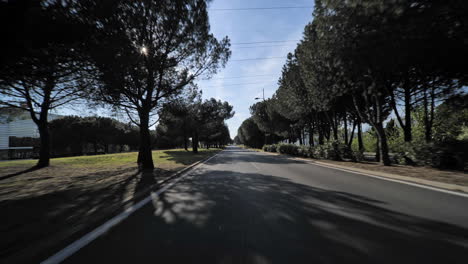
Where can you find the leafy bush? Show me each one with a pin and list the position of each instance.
(450, 155)
(446, 155)
(269, 148)
(332, 150)
(358, 156)
(305, 151)
(290, 149)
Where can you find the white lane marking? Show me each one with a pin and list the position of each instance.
(102, 229)
(390, 179)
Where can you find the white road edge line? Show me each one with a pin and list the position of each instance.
(102, 229)
(390, 179)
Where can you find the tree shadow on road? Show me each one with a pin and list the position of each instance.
(39, 219)
(230, 217)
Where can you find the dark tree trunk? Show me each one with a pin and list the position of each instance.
(351, 137)
(95, 148)
(428, 115)
(377, 149)
(320, 135)
(382, 144)
(345, 130)
(44, 151)
(43, 124)
(311, 136)
(145, 157)
(195, 142)
(360, 143)
(407, 127)
(335, 131)
(185, 140)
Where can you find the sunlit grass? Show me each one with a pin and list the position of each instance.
(166, 157)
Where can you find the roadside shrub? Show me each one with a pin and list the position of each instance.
(290, 149)
(358, 156)
(451, 155)
(318, 151)
(414, 153)
(305, 151)
(332, 150)
(443, 155)
(269, 148)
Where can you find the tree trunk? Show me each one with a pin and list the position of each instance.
(360, 143)
(320, 135)
(407, 128)
(431, 120)
(311, 135)
(44, 151)
(335, 129)
(351, 137)
(345, 130)
(428, 115)
(195, 142)
(95, 147)
(377, 149)
(382, 144)
(145, 157)
(185, 141)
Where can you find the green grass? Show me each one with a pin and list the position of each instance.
(167, 157)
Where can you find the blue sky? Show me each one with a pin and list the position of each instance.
(253, 26)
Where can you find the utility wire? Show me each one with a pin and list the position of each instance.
(260, 8)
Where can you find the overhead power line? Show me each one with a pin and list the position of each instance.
(263, 42)
(266, 58)
(260, 8)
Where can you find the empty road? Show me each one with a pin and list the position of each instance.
(250, 207)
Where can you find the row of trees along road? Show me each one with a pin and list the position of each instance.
(133, 55)
(190, 117)
(363, 63)
(74, 136)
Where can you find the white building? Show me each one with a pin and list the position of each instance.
(18, 124)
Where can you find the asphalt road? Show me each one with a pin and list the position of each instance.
(249, 207)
